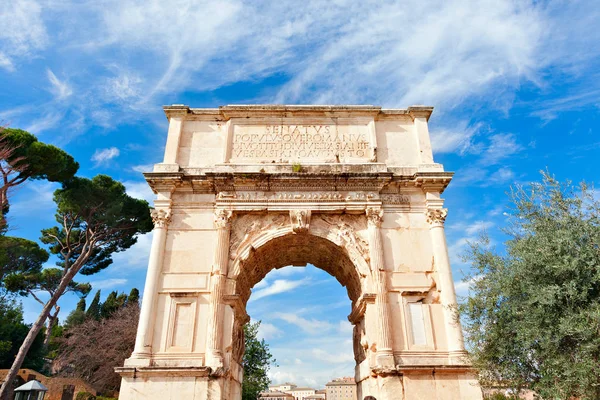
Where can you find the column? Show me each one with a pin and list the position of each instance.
(385, 355)
(143, 340)
(436, 218)
(218, 281)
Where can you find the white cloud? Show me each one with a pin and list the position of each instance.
(268, 331)
(140, 190)
(36, 197)
(311, 326)
(23, 31)
(102, 156)
(462, 287)
(338, 358)
(457, 139)
(137, 255)
(108, 283)
(278, 286)
(143, 168)
(60, 89)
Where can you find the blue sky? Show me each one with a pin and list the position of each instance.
(515, 84)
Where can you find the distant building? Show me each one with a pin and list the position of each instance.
(301, 393)
(284, 387)
(341, 389)
(58, 388)
(275, 395)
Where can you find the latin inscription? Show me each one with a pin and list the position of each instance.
(289, 142)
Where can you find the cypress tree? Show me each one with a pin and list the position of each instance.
(94, 310)
(81, 305)
(134, 297)
(110, 305)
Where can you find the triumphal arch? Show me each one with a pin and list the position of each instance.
(353, 190)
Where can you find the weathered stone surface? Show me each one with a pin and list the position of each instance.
(353, 190)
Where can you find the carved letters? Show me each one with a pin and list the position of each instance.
(290, 142)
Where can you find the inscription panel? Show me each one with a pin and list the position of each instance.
(288, 142)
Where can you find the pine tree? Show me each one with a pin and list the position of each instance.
(94, 309)
(134, 296)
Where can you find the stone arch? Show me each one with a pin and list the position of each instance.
(331, 243)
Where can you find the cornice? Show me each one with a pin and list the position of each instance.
(227, 112)
(216, 182)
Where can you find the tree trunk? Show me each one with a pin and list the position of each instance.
(35, 328)
(52, 319)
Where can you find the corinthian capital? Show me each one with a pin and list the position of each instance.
(437, 216)
(222, 218)
(161, 218)
(374, 216)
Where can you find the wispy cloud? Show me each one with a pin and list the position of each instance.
(311, 326)
(23, 31)
(60, 89)
(102, 156)
(140, 190)
(108, 283)
(278, 286)
(269, 331)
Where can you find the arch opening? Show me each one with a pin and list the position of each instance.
(298, 250)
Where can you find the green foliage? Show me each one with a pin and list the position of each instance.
(76, 317)
(46, 280)
(533, 318)
(112, 303)
(12, 333)
(85, 396)
(20, 257)
(256, 363)
(81, 304)
(94, 310)
(37, 160)
(96, 210)
(296, 167)
(134, 296)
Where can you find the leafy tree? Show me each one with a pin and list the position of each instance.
(48, 281)
(19, 257)
(91, 352)
(134, 297)
(23, 157)
(96, 218)
(12, 333)
(533, 315)
(94, 310)
(256, 362)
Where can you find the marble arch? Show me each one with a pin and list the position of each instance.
(353, 190)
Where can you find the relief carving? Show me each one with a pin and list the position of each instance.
(222, 218)
(374, 216)
(300, 220)
(160, 218)
(345, 227)
(395, 198)
(246, 227)
(437, 216)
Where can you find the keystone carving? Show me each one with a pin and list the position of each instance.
(160, 218)
(437, 216)
(300, 220)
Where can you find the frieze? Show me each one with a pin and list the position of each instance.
(297, 196)
(395, 199)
